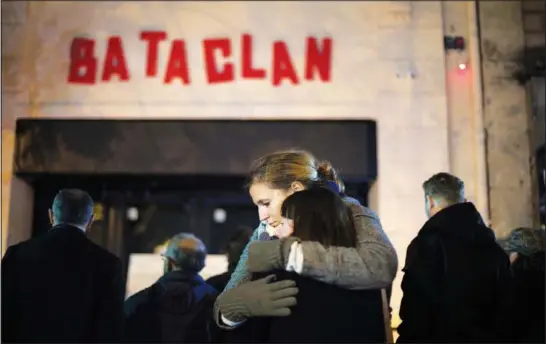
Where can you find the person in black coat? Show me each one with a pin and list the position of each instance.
(60, 286)
(457, 279)
(324, 312)
(526, 249)
(178, 307)
(234, 248)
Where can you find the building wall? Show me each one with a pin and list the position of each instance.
(533, 17)
(464, 102)
(507, 118)
(537, 90)
(15, 95)
(388, 65)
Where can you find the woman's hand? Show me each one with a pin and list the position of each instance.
(269, 255)
(263, 297)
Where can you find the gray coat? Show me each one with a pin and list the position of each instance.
(371, 265)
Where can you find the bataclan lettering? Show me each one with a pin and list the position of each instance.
(220, 66)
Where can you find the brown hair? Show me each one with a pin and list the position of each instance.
(320, 215)
(280, 169)
(446, 186)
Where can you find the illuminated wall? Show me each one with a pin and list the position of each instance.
(387, 64)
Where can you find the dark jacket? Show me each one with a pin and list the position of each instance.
(529, 297)
(219, 282)
(456, 282)
(324, 314)
(175, 309)
(61, 287)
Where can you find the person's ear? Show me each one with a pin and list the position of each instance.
(431, 202)
(297, 186)
(50, 213)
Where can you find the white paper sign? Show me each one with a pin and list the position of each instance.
(145, 269)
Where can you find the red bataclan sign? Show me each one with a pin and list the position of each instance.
(83, 68)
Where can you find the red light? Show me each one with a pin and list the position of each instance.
(459, 43)
(462, 66)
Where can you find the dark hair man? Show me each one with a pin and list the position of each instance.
(60, 286)
(456, 278)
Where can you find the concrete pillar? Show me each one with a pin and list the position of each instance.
(464, 104)
(537, 90)
(506, 115)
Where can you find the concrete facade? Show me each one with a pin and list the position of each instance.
(507, 118)
(388, 65)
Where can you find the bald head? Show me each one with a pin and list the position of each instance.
(186, 252)
(73, 207)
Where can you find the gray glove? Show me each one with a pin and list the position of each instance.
(258, 298)
(264, 256)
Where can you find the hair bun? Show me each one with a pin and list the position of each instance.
(329, 175)
(326, 171)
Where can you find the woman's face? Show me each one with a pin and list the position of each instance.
(269, 202)
(285, 229)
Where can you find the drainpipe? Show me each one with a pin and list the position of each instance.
(481, 168)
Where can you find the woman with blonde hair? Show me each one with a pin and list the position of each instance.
(325, 313)
(371, 264)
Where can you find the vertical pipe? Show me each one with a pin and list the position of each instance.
(481, 165)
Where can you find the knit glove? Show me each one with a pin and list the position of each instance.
(265, 256)
(258, 298)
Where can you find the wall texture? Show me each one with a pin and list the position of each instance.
(533, 17)
(507, 117)
(388, 65)
(15, 97)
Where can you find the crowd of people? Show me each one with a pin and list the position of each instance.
(319, 268)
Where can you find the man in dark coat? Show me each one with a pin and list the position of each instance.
(60, 286)
(457, 279)
(234, 249)
(178, 307)
(526, 248)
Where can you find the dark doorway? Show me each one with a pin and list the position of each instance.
(152, 209)
(136, 214)
(153, 179)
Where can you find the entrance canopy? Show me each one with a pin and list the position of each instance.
(175, 147)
